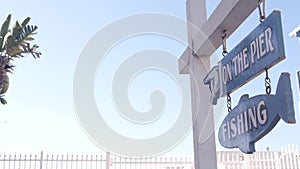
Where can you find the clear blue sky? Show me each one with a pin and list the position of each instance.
(40, 114)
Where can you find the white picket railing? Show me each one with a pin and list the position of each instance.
(90, 161)
(287, 158)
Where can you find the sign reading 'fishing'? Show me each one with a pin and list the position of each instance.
(254, 117)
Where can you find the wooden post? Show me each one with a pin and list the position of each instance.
(298, 76)
(228, 15)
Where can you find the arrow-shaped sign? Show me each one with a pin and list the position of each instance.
(260, 50)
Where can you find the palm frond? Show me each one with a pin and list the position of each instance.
(26, 21)
(18, 44)
(14, 43)
(4, 31)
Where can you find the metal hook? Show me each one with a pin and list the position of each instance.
(262, 12)
(224, 36)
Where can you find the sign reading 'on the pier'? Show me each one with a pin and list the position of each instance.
(261, 49)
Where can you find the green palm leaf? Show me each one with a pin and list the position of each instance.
(4, 31)
(18, 42)
(14, 44)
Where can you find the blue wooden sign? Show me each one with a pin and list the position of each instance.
(261, 49)
(254, 117)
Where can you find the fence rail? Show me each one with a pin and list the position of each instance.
(90, 161)
(287, 158)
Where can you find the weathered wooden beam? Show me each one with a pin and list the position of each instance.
(228, 15)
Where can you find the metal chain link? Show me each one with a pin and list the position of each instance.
(262, 11)
(267, 83)
(229, 103)
(224, 53)
(224, 36)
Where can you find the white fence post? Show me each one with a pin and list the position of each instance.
(107, 160)
(41, 160)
